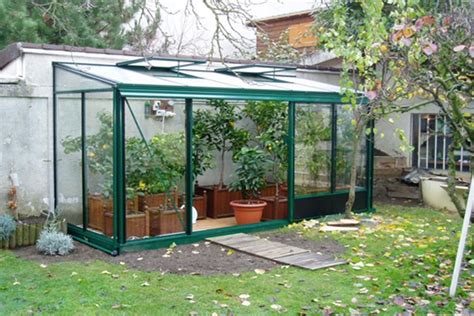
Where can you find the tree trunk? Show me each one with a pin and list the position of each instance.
(452, 181)
(353, 159)
(221, 179)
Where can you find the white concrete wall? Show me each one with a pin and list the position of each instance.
(26, 125)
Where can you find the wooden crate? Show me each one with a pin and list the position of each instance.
(132, 205)
(135, 225)
(96, 209)
(218, 200)
(200, 204)
(277, 208)
(162, 222)
(158, 200)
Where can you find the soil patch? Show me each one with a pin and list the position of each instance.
(202, 258)
(328, 248)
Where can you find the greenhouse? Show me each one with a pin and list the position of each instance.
(155, 151)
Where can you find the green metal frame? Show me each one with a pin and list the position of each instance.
(119, 242)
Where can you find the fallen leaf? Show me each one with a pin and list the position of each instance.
(43, 266)
(276, 307)
(259, 271)
(244, 296)
(139, 258)
(246, 303)
(145, 284)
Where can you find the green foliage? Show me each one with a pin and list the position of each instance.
(202, 145)
(102, 24)
(53, 243)
(99, 150)
(314, 128)
(160, 169)
(250, 172)
(217, 130)
(7, 226)
(155, 167)
(54, 219)
(271, 125)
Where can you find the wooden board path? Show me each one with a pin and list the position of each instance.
(276, 251)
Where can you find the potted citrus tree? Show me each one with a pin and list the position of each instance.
(249, 179)
(221, 134)
(271, 131)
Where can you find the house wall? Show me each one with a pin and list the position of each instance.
(26, 125)
(275, 28)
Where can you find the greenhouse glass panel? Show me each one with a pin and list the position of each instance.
(70, 81)
(313, 149)
(345, 132)
(69, 158)
(155, 166)
(99, 152)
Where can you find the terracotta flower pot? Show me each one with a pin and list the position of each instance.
(248, 211)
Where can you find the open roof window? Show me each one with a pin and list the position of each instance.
(161, 62)
(256, 69)
(160, 66)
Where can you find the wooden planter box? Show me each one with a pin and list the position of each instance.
(158, 200)
(96, 209)
(269, 190)
(277, 208)
(218, 200)
(98, 206)
(200, 204)
(135, 224)
(161, 222)
(26, 235)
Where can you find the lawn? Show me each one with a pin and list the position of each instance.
(403, 263)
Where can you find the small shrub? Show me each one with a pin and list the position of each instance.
(52, 242)
(7, 226)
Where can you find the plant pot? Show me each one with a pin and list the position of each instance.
(135, 224)
(158, 200)
(161, 222)
(96, 209)
(248, 211)
(276, 208)
(218, 200)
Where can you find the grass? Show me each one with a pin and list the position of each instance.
(404, 263)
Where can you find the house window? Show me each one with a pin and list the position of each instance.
(431, 140)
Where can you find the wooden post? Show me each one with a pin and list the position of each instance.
(39, 229)
(13, 241)
(26, 235)
(462, 241)
(32, 237)
(19, 235)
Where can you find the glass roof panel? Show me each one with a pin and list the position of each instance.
(200, 79)
(232, 81)
(121, 75)
(69, 81)
(306, 83)
(254, 69)
(161, 62)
